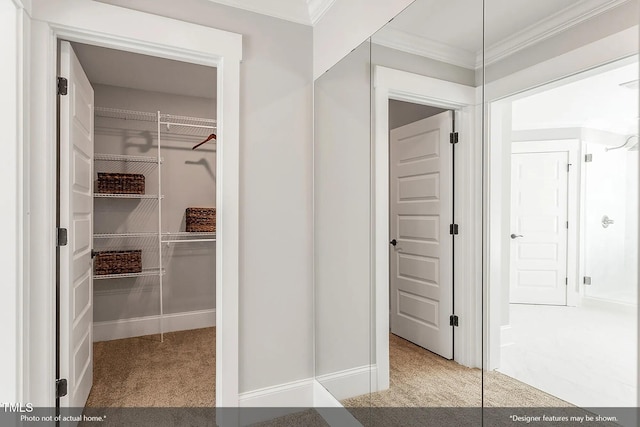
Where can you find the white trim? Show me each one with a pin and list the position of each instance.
(331, 409)
(317, 9)
(401, 85)
(527, 37)
(544, 29)
(421, 46)
(149, 325)
(621, 46)
(350, 382)
(283, 398)
(506, 336)
(295, 394)
(293, 397)
(125, 29)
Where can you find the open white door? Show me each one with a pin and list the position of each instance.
(421, 275)
(76, 215)
(539, 225)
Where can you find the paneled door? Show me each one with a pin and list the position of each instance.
(76, 215)
(539, 225)
(421, 276)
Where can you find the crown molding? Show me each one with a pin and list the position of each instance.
(266, 9)
(410, 43)
(317, 9)
(535, 33)
(546, 28)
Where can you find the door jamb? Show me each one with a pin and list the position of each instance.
(219, 49)
(404, 86)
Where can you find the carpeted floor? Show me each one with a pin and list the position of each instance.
(144, 372)
(419, 378)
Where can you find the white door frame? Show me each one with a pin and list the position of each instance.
(404, 86)
(607, 53)
(123, 29)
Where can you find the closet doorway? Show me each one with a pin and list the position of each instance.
(137, 180)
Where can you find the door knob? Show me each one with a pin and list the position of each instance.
(515, 236)
(606, 221)
(394, 242)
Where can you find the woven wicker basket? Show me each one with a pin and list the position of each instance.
(201, 220)
(120, 183)
(117, 262)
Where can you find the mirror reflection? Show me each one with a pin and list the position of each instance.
(562, 199)
(476, 211)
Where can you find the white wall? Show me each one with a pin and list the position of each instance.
(342, 191)
(347, 24)
(276, 322)
(10, 200)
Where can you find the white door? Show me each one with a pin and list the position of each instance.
(539, 225)
(76, 215)
(421, 212)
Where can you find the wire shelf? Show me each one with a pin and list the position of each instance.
(144, 273)
(126, 196)
(188, 237)
(125, 158)
(123, 235)
(118, 113)
(189, 234)
(188, 121)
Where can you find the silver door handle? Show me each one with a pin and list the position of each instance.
(515, 236)
(606, 221)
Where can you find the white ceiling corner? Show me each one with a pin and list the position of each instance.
(317, 9)
(289, 10)
(545, 29)
(410, 43)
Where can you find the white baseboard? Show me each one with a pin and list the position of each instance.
(284, 398)
(331, 409)
(350, 382)
(506, 335)
(140, 326)
(289, 398)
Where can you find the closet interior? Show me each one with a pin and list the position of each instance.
(154, 238)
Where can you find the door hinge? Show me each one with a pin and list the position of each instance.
(453, 229)
(62, 237)
(63, 85)
(567, 224)
(453, 137)
(61, 387)
(586, 280)
(569, 167)
(453, 320)
(566, 281)
(588, 157)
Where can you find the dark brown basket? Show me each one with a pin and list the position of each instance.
(120, 183)
(117, 262)
(201, 220)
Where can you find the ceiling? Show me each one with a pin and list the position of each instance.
(452, 31)
(142, 72)
(306, 12)
(596, 102)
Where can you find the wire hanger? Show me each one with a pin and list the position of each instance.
(209, 138)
